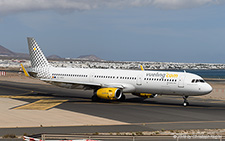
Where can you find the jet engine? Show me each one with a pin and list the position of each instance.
(109, 93)
(145, 95)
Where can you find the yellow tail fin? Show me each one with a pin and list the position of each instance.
(24, 70)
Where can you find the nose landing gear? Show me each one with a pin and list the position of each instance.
(186, 103)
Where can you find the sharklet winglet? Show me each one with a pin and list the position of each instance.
(142, 68)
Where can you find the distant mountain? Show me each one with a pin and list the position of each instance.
(5, 52)
(54, 57)
(22, 55)
(90, 57)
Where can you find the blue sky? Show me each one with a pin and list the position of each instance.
(120, 30)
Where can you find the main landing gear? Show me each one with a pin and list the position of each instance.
(95, 98)
(186, 103)
(123, 98)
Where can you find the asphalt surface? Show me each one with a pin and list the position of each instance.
(160, 113)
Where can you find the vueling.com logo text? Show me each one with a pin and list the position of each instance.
(171, 75)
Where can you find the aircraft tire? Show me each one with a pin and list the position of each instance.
(123, 97)
(186, 104)
(95, 98)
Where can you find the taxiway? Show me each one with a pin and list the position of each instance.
(72, 111)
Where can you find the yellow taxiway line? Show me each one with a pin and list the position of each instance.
(41, 104)
(24, 97)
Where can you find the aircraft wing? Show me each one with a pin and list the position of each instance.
(72, 82)
(86, 85)
(76, 84)
(89, 85)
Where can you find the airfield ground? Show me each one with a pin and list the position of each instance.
(31, 106)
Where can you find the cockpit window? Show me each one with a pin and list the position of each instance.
(197, 81)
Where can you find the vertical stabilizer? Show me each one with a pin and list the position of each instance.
(39, 63)
(36, 55)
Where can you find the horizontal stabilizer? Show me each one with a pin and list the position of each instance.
(24, 70)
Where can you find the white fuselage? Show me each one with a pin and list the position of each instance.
(134, 81)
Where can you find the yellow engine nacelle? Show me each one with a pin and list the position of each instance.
(145, 95)
(109, 93)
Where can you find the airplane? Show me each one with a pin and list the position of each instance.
(111, 84)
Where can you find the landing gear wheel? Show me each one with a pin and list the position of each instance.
(123, 97)
(95, 98)
(186, 103)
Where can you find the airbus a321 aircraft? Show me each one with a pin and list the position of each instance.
(111, 84)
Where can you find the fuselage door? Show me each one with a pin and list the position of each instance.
(139, 80)
(181, 81)
(91, 77)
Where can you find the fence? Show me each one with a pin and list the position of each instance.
(2, 73)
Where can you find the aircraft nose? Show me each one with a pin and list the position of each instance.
(208, 89)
